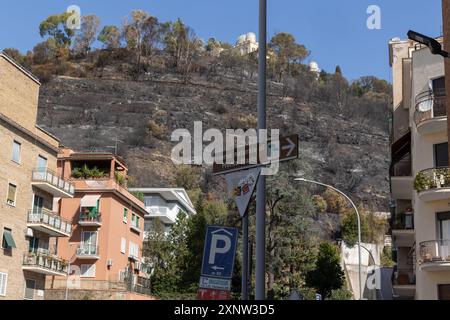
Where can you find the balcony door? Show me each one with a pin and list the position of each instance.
(89, 242)
(441, 155)
(38, 204)
(444, 292)
(41, 163)
(443, 221)
(439, 102)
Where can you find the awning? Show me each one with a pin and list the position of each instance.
(9, 239)
(89, 201)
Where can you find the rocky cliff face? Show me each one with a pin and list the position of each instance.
(349, 152)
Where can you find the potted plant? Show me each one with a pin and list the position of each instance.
(422, 182)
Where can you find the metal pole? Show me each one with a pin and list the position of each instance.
(245, 257)
(260, 278)
(359, 228)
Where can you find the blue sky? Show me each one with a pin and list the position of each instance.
(334, 30)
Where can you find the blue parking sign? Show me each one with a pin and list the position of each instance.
(219, 252)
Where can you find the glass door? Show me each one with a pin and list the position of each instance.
(444, 233)
(89, 242)
(41, 163)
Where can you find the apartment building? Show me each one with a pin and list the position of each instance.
(105, 248)
(420, 174)
(30, 190)
(164, 205)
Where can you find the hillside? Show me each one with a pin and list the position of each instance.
(346, 148)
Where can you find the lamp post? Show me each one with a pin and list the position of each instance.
(359, 226)
(434, 46)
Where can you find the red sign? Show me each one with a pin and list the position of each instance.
(211, 294)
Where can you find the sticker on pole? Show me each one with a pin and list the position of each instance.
(219, 253)
(215, 283)
(241, 185)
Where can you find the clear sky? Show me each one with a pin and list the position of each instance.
(334, 30)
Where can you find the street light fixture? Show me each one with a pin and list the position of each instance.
(359, 226)
(434, 46)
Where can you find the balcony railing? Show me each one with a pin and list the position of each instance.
(435, 251)
(136, 283)
(86, 218)
(403, 221)
(48, 176)
(45, 261)
(430, 104)
(434, 178)
(87, 251)
(50, 219)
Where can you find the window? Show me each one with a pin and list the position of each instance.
(135, 220)
(89, 242)
(3, 283)
(11, 198)
(125, 215)
(133, 250)
(16, 152)
(441, 155)
(88, 270)
(8, 240)
(123, 245)
(443, 219)
(41, 163)
(30, 286)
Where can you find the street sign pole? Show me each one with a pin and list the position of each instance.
(260, 290)
(245, 257)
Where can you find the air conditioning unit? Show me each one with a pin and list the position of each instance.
(137, 266)
(110, 262)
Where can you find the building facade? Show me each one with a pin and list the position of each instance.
(30, 190)
(420, 174)
(164, 205)
(105, 248)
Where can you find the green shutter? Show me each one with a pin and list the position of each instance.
(8, 239)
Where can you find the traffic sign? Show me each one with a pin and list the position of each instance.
(215, 283)
(241, 185)
(212, 294)
(289, 147)
(219, 252)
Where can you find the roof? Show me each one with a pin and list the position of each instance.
(170, 194)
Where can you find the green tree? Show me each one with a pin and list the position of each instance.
(327, 274)
(110, 37)
(349, 227)
(45, 51)
(55, 26)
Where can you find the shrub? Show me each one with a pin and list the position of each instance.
(158, 130)
(341, 294)
(422, 182)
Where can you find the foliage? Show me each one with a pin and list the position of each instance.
(327, 274)
(422, 182)
(120, 178)
(336, 203)
(110, 37)
(87, 34)
(159, 130)
(349, 227)
(86, 173)
(139, 195)
(186, 177)
(55, 26)
(386, 257)
(341, 294)
(320, 203)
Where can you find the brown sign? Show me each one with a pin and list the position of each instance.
(288, 151)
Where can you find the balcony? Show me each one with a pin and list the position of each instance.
(50, 182)
(88, 252)
(435, 255)
(431, 112)
(403, 229)
(162, 213)
(44, 263)
(48, 222)
(433, 184)
(404, 284)
(135, 228)
(90, 220)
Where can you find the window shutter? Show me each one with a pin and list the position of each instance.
(3, 283)
(123, 245)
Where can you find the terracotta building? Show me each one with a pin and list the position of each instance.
(30, 190)
(105, 248)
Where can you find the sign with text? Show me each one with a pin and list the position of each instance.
(219, 252)
(215, 283)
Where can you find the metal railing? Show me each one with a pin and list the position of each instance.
(46, 217)
(135, 283)
(430, 104)
(45, 261)
(86, 217)
(434, 251)
(434, 178)
(46, 175)
(403, 221)
(87, 251)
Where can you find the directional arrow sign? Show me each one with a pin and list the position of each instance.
(288, 151)
(219, 253)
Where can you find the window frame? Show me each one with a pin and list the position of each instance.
(92, 265)
(15, 142)
(123, 245)
(3, 283)
(15, 194)
(125, 215)
(25, 289)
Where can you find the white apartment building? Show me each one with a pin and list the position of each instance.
(164, 204)
(420, 174)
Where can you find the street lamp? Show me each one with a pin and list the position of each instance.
(359, 226)
(434, 46)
